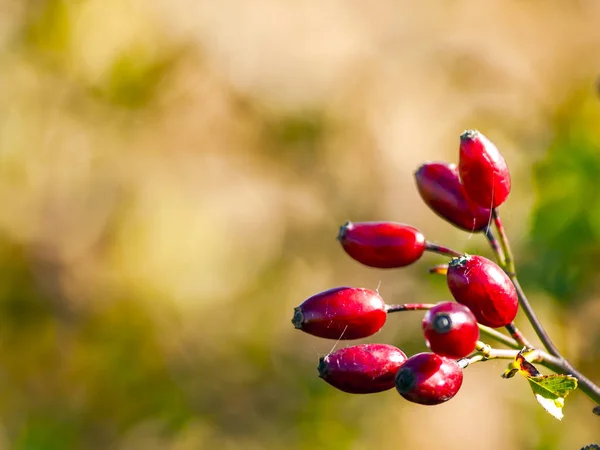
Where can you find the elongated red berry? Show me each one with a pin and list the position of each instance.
(341, 313)
(484, 288)
(450, 330)
(483, 171)
(384, 245)
(362, 369)
(429, 379)
(441, 189)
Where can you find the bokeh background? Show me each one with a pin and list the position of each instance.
(172, 177)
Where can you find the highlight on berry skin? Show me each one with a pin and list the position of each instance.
(429, 379)
(383, 245)
(450, 330)
(483, 170)
(440, 188)
(483, 287)
(362, 369)
(341, 313)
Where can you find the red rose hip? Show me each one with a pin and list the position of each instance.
(341, 313)
(483, 171)
(450, 330)
(383, 245)
(483, 287)
(429, 379)
(440, 188)
(362, 369)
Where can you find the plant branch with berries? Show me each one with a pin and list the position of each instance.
(487, 297)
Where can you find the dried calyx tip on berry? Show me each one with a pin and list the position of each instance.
(468, 134)
(442, 323)
(343, 230)
(322, 367)
(405, 381)
(298, 318)
(459, 260)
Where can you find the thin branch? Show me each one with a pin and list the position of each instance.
(517, 335)
(557, 362)
(539, 356)
(533, 319)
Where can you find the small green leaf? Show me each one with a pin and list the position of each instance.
(551, 390)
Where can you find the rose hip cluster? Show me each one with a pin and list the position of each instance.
(485, 296)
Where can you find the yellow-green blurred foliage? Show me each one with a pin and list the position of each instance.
(172, 177)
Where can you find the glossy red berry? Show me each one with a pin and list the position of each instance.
(484, 288)
(341, 313)
(483, 171)
(384, 245)
(441, 189)
(429, 379)
(362, 369)
(450, 330)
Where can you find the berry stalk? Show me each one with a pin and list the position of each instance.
(509, 260)
(495, 334)
(495, 245)
(517, 335)
(409, 307)
(435, 248)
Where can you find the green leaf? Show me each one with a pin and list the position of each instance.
(551, 390)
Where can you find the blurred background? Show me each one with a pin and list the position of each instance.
(172, 178)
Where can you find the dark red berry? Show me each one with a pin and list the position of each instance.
(483, 171)
(429, 379)
(384, 245)
(450, 330)
(341, 313)
(441, 189)
(484, 288)
(362, 369)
